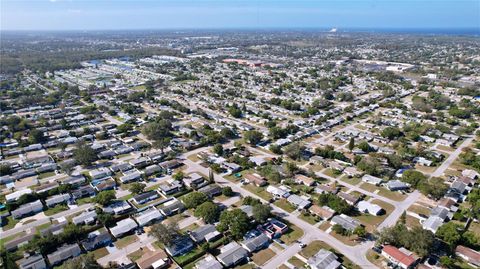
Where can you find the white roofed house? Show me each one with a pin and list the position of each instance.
(277, 192)
(148, 216)
(63, 253)
(57, 199)
(123, 227)
(100, 173)
(367, 207)
(299, 202)
(194, 181)
(324, 259)
(130, 175)
(232, 254)
(346, 222)
(27, 209)
(87, 217)
(145, 197)
(372, 180)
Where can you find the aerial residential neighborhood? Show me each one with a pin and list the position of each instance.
(239, 149)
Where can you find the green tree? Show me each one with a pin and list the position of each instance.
(84, 155)
(391, 133)
(351, 143)
(261, 212)
(253, 137)
(86, 261)
(227, 191)
(178, 176)
(413, 177)
(35, 136)
(234, 221)
(137, 187)
(450, 233)
(194, 199)
(165, 233)
(105, 197)
(5, 169)
(207, 211)
(294, 151)
(218, 149)
(360, 231)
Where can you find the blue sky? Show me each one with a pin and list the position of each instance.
(169, 14)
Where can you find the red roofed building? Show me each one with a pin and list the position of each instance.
(469, 255)
(398, 257)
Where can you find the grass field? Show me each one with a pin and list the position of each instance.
(258, 191)
(351, 181)
(297, 262)
(55, 210)
(263, 256)
(312, 248)
(99, 253)
(127, 240)
(419, 209)
(285, 205)
(11, 222)
(293, 234)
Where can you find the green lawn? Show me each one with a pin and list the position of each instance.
(45, 175)
(193, 254)
(11, 222)
(312, 248)
(309, 218)
(127, 240)
(263, 256)
(297, 262)
(99, 253)
(55, 210)
(351, 181)
(85, 200)
(285, 205)
(258, 191)
(11, 237)
(293, 234)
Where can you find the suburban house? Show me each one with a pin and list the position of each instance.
(396, 185)
(145, 197)
(323, 212)
(32, 262)
(57, 199)
(63, 253)
(209, 262)
(148, 216)
(350, 199)
(256, 243)
(348, 223)
(27, 209)
(399, 257)
(157, 259)
(367, 207)
(87, 217)
(232, 254)
(301, 179)
(469, 255)
(130, 176)
(255, 179)
(193, 180)
(118, 208)
(324, 259)
(18, 242)
(277, 192)
(124, 226)
(97, 239)
(171, 206)
(206, 232)
(211, 190)
(171, 188)
(372, 180)
(299, 202)
(180, 246)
